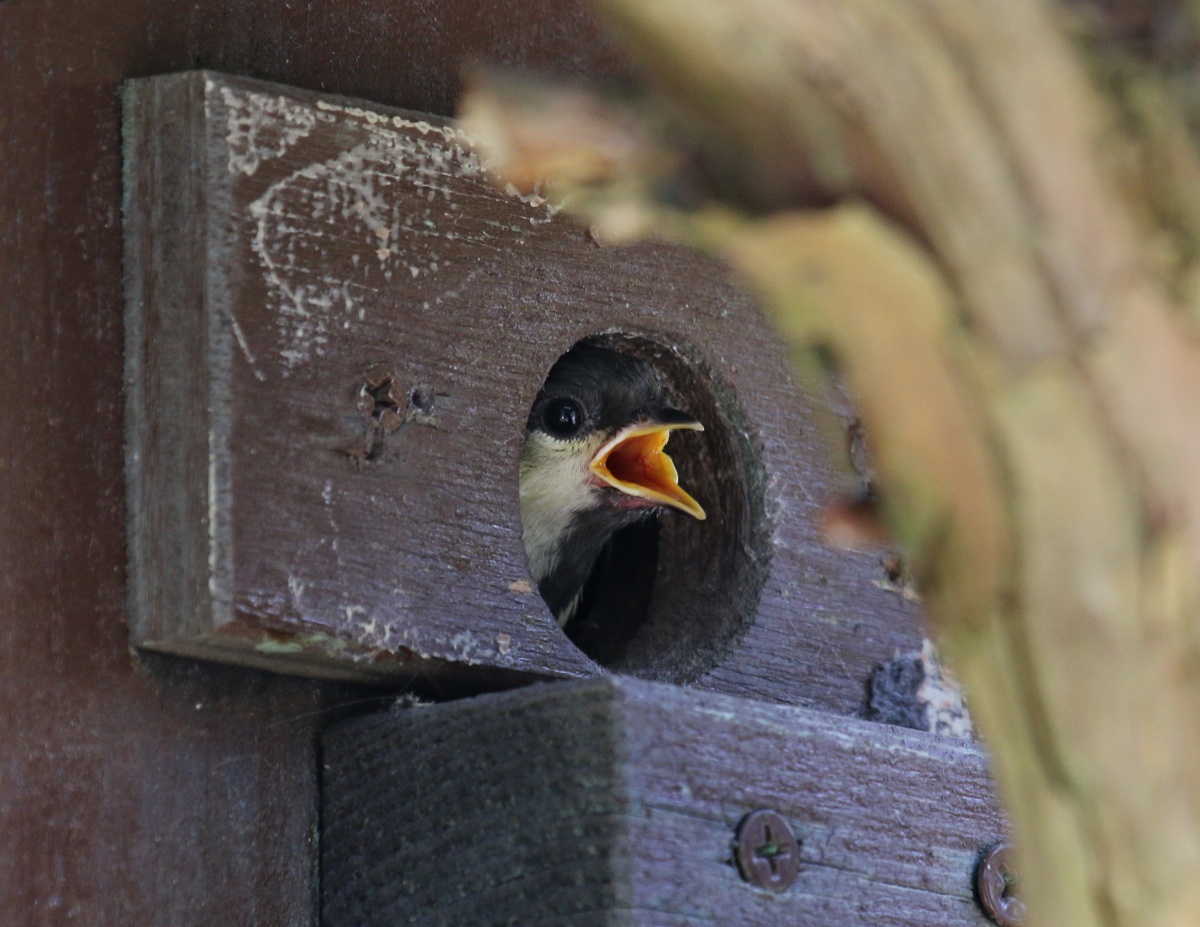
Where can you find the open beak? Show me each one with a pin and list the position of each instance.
(634, 462)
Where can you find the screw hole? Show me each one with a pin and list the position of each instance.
(420, 398)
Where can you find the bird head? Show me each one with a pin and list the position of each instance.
(593, 462)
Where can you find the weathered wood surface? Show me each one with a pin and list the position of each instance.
(335, 329)
(138, 789)
(1030, 382)
(615, 801)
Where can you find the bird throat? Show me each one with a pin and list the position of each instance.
(588, 534)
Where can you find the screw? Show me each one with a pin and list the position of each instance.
(766, 851)
(996, 884)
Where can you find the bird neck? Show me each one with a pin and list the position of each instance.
(562, 567)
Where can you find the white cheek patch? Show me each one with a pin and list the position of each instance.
(554, 486)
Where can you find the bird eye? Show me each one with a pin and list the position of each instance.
(563, 417)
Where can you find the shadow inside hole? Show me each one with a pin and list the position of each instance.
(616, 598)
(671, 596)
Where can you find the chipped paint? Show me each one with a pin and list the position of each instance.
(371, 631)
(351, 199)
(448, 132)
(296, 587)
(347, 197)
(374, 632)
(334, 529)
(260, 127)
(467, 648)
(244, 345)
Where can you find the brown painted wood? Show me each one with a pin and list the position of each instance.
(336, 328)
(138, 789)
(615, 801)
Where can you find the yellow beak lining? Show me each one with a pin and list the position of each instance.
(634, 462)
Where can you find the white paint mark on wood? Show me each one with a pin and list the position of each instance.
(260, 127)
(246, 352)
(449, 133)
(296, 588)
(350, 200)
(346, 199)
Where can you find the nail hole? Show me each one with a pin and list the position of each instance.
(420, 398)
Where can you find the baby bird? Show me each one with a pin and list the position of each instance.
(593, 463)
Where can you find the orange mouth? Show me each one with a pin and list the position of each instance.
(634, 462)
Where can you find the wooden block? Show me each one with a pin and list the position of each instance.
(615, 801)
(335, 329)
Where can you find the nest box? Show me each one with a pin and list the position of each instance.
(336, 325)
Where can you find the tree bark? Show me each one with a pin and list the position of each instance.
(1004, 263)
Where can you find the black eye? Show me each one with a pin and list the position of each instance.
(563, 417)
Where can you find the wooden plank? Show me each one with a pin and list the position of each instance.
(135, 788)
(615, 801)
(336, 328)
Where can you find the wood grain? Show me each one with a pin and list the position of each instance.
(615, 801)
(335, 329)
(137, 788)
(1034, 414)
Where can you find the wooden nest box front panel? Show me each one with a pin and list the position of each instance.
(336, 326)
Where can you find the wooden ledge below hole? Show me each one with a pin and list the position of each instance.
(616, 801)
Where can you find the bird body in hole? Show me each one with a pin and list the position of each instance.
(593, 463)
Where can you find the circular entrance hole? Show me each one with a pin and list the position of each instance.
(671, 595)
